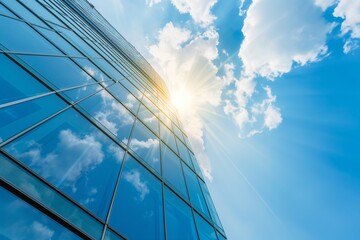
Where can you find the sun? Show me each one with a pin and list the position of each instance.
(182, 99)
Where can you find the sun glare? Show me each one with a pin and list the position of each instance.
(181, 99)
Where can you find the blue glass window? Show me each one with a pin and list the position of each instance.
(110, 113)
(19, 220)
(210, 204)
(60, 71)
(71, 153)
(168, 137)
(179, 219)
(184, 152)
(149, 119)
(110, 235)
(172, 171)
(16, 118)
(16, 83)
(205, 230)
(195, 192)
(125, 97)
(25, 43)
(38, 190)
(145, 144)
(138, 212)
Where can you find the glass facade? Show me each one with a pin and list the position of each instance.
(90, 147)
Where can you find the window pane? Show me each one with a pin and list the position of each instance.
(16, 83)
(179, 218)
(184, 152)
(172, 171)
(60, 71)
(36, 189)
(168, 137)
(210, 204)
(149, 119)
(110, 235)
(16, 118)
(196, 196)
(110, 113)
(137, 212)
(71, 154)
(125, 97)
(205, 230)
(25, 43)
(145, 144)
(20, 220)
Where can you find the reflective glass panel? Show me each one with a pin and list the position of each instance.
(146, 145)
(125, 97)
(149, 119)
(16, 118)
(184, 152)
(71, 153)
(137, 212)
(25, 43)
(205, 230)
(168, 137)
(60, 71)
(172, 171)
(38, 190)
(110, 113)
(20, 220)
(179, 219)
(195, 192)
(16, 83)
(210, 204)
(110, 235)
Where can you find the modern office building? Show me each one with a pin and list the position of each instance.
(90, 145)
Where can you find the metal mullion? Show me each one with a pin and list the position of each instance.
(118, 179)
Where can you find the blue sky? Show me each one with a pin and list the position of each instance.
(274, 88)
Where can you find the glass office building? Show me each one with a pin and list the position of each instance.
(90, 146)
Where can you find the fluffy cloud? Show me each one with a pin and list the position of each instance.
(141, 187)
(277, 35)
(41, 231)
(136, 144)
(199, 10)
(184, 59)
(349, 11)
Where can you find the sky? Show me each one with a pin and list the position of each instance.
(268, 92)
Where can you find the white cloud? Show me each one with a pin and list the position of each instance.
(184, 60)
(324, 4)
(72, 157)
(199, 10)
(41, 231)
(349, 11)
(136, 144)
(280, 32)
(277, 35)
(152, 2)
(134, 177)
